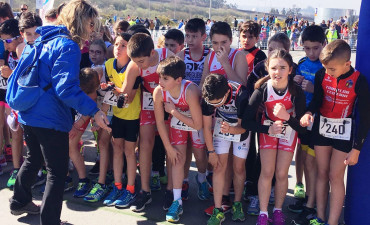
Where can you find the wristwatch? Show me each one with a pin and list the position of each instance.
(212, 151)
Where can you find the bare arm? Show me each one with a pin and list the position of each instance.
(206, 71)
(181, 54)
(132, 72)
(240, 71)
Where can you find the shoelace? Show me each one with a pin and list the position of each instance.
(174, 207)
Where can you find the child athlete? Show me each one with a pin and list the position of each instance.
(336, 141)
(284, 105)
(179, 98)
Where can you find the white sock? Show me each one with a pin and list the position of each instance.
(263, 212)
(276, 209)
(155, 173)
(186, 179)
(177, 195)
(39, 173)
(201, 177)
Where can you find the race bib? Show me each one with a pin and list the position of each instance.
(336, 128)
(177, 124)
(225, 136)
(3, 82)
(110, 98)
(148, 103)
(285, 133)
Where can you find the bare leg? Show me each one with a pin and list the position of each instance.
(147, 135)
(268, 160)
(283, 161)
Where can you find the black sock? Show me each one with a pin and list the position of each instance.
(84, 180)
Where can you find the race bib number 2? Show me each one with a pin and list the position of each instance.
(177, 124)
(110, 98)
(148, 103)
(225, 136)
(285, 133)
(336, 128)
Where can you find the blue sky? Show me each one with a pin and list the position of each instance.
(345, 4)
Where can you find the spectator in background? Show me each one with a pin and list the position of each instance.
(255, 18)
(323, 25)
(51, 16)
(235, 24)
(345, 32)
(146, 23)
(332, 33)
(23, 8)
(157, 23)
(151, 25)
(181, 24)
(338, 26)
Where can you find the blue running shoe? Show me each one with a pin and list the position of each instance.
(203, 191)
(174, 212)
(97, 193)
(113, 196)
(83, 188)
(125, 200)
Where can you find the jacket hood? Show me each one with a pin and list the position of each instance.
(47, 32)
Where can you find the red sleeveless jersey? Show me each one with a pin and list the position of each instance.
(215, 66)
(180, 102)
(339, 96)
(149, 75)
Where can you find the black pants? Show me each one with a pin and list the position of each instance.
(52, 146)
(158, 155)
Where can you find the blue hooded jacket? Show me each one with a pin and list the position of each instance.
(59, 64)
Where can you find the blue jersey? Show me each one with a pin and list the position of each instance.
(308, 69)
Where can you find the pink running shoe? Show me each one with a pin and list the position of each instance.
(263, 220)
(278, 218)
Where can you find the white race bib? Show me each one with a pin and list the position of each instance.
(148, 103)
(110, 111)
(225, 136)
(336, 128)
(285, 133)
(3, 83)
(177, 124)
(110, 98)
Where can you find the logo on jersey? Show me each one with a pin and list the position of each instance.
(328, 78)
(349, 83)
(271, 98)
(152, 84)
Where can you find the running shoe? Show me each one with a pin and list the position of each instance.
(304, 217)
(278, 218)
(3, 161)
(95, 169)
(297, 207)
(8, 153)
(163, 179)
(203, 192)
(110, 200)
(299, 191)
(155, 183)
(216, 218)
(12, 178)
(30, 208)
(83, 188)
(40, 179)
(174, 212)
(68, 184)
(142, 199)
(168, 199)
(272, 196)
(97, 193)
(125, 200)
(263, 220)
(185, 190)
(317, 221)
(237, 211)
(254, 206)
(225, 205)
(247, 193)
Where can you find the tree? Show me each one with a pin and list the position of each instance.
(277, 11)
(283, 12)
(272, 11)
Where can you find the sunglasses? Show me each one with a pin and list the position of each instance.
(97, 52)
(10, 40)
(23, 9)
(215, 104)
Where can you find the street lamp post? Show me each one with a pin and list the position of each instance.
(210, 6)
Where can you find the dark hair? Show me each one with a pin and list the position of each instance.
(29, 20)
(123, 25)
(215, 86)
(101, 43)
(124, 36)
(60, 7)
(194, 25)
(279, 54)
(251, 27)
(314, 33)
(138, 28)
(337, 49)
(176, 35)
(222, 28)
(106, 34)
(140, 45)
(52, 14)
(10, 27)
(89, 80)
(172, 66)
(6, 10)
(281, 38)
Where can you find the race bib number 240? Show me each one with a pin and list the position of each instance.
(336, 128)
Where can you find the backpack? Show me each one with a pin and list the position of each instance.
(23, 89)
